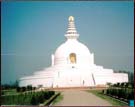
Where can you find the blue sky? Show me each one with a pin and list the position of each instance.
(31, 32)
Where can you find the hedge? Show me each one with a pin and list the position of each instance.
(125, 93)
(30, 98)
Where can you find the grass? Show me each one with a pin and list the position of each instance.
(58, 99)
(111, 100)
(10, 92)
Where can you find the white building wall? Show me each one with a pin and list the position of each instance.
(35, 82)
(110, 78)
(52, 60)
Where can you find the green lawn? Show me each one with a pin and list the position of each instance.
(111, 100)
(9, 92)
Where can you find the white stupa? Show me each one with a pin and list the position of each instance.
(72, 66)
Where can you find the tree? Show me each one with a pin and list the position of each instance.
(29, 87)
(16, 84)
(109, 84)
(122, 84)
(23, 89)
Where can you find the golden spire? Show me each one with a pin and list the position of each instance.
(71, 18)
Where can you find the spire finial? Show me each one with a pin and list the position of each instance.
(71, 18)
(71, 32)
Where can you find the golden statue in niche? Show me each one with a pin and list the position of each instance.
(73, 58)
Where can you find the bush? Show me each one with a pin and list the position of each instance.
(30, 98)
(46, 95)
(103, 91)
(33, 88)
(126, 93)
(107, 91)
(23, 89)
(2, 92)
(130, 94)
(18, 89)
(34, 100)
(29, 87)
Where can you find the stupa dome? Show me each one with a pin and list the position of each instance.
(72, 46)
(63, 52)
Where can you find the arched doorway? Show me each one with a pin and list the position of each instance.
(72, 57)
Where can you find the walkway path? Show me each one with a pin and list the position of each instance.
(81, 98)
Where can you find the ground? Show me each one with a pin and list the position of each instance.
(81, 98)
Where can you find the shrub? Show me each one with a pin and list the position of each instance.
(46, 95)
(103, 91)
(107, 91)
(29, 98)
(41, 98)
(33, 88)
(34, 100)
(18, 89)
(130, 94)
(2, 92)
(29, 87)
